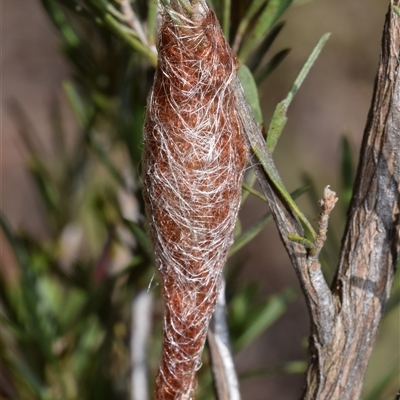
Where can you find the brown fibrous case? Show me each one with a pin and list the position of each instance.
(194, 160)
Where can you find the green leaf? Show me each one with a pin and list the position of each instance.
(301, 240)
(300, 191)
(89, 340)
(250, 91)
(239, 305)
(211, 4)
(380, 387)
(74, 301)
(226, 18)
(270, 66)
(76, 103)
(249, 181)
(347, 172)
(16, 331)
(396, 9)
(264, 157)
(58, 131)
(61, 22)
(256, 228)
(105, 160)
(74, 7)
(10, 299)
(394, 299)
(259, 318)
(265, 45)
(278, 123)
(109, 17)
(152, 22)
(254, 192)
(31, 298)
(279, 118)
(306, 68)
(26, 130)
(255, 6)
(46, 186)
(250, 234)
(139, 234)
(30, 379)
(292, 367)
(393, 302)
(269, 16)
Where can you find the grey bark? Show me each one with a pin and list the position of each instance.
(345, 319)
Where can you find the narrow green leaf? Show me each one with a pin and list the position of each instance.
(76, 8)
(394, 299)
(300, 191)
(10, 300)
(250, 234)
(74, 302)
(106, 161)
(255, 192)
(18, 249)
(268, 165)
(89, 341)
(45, 185)
(270, 66)
(76, 103)
(255, 6)
(26, 129)
(278, 123)
(16, 331)
(226, 18)
(35, 147)
(250, 91)
(30, 294)
(393, 302)
(116, 28)
(57, 130)
(301, 240)
(61, 22)
(212, 5)
(140, 235)
(306, 68)
(152, 22)
(256, 228)
(396, 9)
(292, 367)
(265, 45)
(269, 16)
(347, 172)
(269, 312)
(106, 17)
(30, 379)
(380, 387)
(239, 305)
(249, 181)
(279, 118)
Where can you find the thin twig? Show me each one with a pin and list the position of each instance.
(225, 379)
(140, 332)
(132, 20)
(327, 203)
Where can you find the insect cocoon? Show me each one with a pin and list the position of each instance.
(194, 160)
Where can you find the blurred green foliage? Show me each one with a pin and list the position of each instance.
(66, 303)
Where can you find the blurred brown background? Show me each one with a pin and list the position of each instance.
(334, 99)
